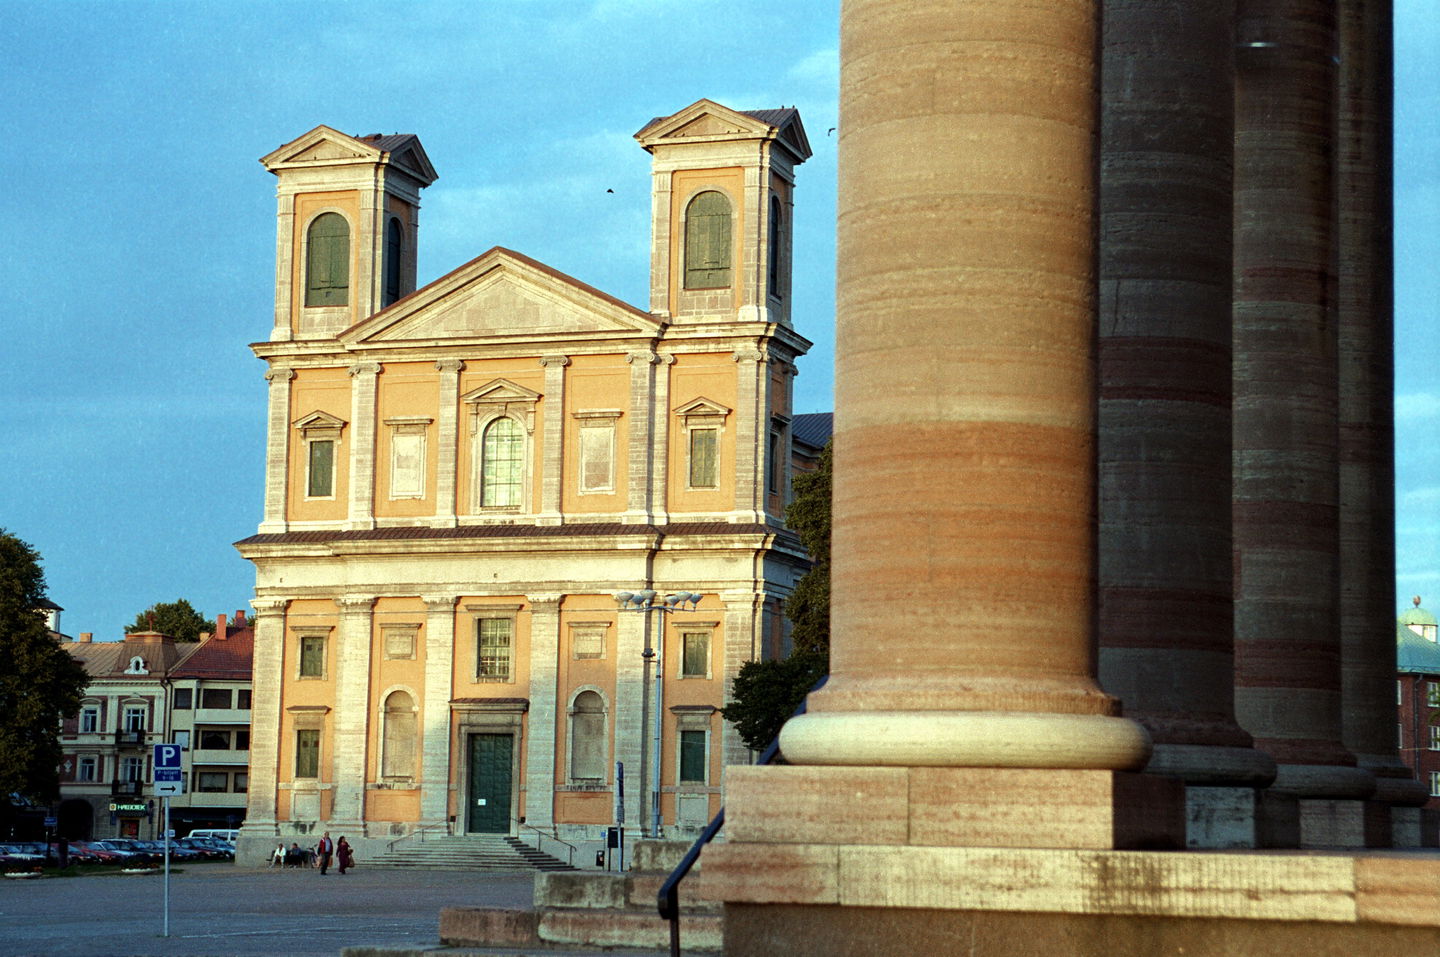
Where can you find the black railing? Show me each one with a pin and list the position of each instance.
(126, 788)
(668, 899)
(129, 739)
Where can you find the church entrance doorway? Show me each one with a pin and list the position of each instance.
(491, 757)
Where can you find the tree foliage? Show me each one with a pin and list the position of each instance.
(177, 618)
(40, 682)
(766, 693)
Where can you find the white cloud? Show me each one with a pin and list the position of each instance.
(1417, 405)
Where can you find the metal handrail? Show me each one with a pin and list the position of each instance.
(668, 898)
(420, 831)
(539, 846)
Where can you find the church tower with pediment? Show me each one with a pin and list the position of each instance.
(461, 477)
(348, 222)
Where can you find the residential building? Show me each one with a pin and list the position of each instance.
(461, 478)
(1417, 685)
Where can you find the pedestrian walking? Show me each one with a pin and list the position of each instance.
(344, 855)
(323, 851)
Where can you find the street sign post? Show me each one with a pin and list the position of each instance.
(168, 781)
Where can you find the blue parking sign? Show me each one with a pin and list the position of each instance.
(167, 756)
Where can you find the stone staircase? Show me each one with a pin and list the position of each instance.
(485, 852)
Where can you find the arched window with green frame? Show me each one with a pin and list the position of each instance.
(394, 247)
(327, 261)
(707, 241)
(502, 463)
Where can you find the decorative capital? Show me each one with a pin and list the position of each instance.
(438, 604)
(267, 607)
(747, 355)
(645, 358)
(365, 368)
(561, 361)
(544, 603)
(450, 365)
(280, 375)
(355, 604)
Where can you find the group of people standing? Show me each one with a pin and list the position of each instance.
(320, 856)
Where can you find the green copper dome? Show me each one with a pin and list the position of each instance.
(1417, 615)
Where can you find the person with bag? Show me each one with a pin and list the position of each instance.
(344, 854)
(323, 851)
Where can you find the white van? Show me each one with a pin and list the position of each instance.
(226, 834)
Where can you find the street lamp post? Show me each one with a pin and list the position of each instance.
(644, 602)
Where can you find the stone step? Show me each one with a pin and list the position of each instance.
(498, 852)
(557, 928)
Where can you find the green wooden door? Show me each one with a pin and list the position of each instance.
(489, 801)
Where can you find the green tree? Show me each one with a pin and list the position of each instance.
(177, 618)
(40, 683)
(766, 693)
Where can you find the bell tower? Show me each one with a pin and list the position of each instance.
(348, 224)
(722, 212)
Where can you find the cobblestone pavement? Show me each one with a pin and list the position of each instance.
(219, 909)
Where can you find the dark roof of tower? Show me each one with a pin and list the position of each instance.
(1415, 654)
(813, 428)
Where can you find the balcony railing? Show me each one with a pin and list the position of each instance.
(129, 739)
(127, 788)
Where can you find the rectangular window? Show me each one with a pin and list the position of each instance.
(182, 738)
(134, 717)
(493, 649)
(307, 753)
(242, 782)
(242, 740)
(320, 474)
(587, 642)
(1435, 737)
(132, 769)
(242, 699)
(407, 461)
(704, 458)
(312, 656)
(86, 770)
(218, 698)
(692, 757)
(695, 654)
(1435, 783)
(182, 699)
(215, 740)
(89, 719)
(597, 457)
(1432, 694)
(213, 782)
(772, 465)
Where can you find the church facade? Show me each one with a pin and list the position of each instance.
(461, 478)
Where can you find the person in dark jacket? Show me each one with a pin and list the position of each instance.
(344, 855)
(324, 851)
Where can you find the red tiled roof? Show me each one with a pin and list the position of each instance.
(231, 657)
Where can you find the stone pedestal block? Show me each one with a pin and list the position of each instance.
(1222, 818)
(1331, 823)
(974, 807)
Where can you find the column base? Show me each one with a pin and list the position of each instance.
(970, 807)
(1329, 823)
(1219, 818)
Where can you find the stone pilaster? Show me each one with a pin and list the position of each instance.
(1286, 467)
(660, 452)
(365, 376)
(751, 274)
(640, 425)
(752, 429)
(744, 630)
(277, 450)
(1166, 627)
(631, 718)
(552, 457)
(447, 439)
(283, 330)
(352, 711)
(1364, 229)
(660, 265)
(544, 705)
(435, 717)
(265, 705)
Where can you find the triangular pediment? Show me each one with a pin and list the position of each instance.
(703, 119)
(702, 406)
(322, 146)
(709, 124)
(319, 420)
(501, 295)
(498, 391)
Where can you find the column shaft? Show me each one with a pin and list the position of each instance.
(435, 726)
(552, 459)
(277, 450)
(352, 711)
(365, 377)
(447, 440)
(540, 720)
(1165, 622)
(265, 704)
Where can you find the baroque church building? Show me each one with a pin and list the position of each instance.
(461, 478)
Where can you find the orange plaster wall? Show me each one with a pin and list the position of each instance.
(711, 376)
(596, 383)
(526, 372)
(319, 390)
(294, 691)
(406, 389)
(388, 805)
(585, 807)
(307, 207)
(596, 673)
(463, 678)
(684, 185)
(391, 674)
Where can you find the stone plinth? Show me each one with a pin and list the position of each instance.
(854, 899)
(976, 807)
(1344, 824)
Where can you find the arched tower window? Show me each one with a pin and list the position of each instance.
(502, 463)
(394, 242)
(397, 760)
(327, 261)
(773, 279)
(707, 241)
(587, 737)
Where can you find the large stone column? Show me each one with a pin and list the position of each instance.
(962, 614)
(552, 458)
(1364, 229)
(265, 705)
(544, 705)
(436, 725)
(362, 444)
(1165, 622)
(447, 440)
(352, 711)
(1286, 468)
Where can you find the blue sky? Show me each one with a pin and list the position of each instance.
(141, 228)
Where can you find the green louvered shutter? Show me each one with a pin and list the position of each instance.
(327, 261)
(707, 242)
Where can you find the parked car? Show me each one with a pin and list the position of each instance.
(128, 854)
(177, 853)
(14, 856)
(207, 850)
(95, 851)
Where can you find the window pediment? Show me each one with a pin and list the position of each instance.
(501, 397)
(320, 425)
(702, 408)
